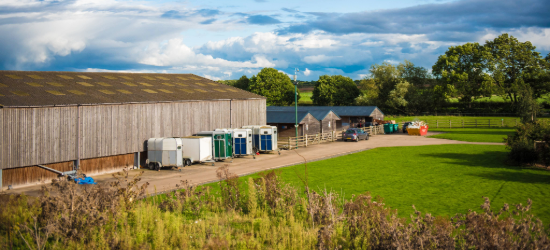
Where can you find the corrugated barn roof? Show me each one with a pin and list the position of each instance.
(339, 110)
(285, 116)
(35, 88)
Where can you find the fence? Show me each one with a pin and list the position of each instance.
(306, 140)
(472, 123)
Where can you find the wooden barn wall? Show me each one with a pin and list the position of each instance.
(313, 125)
(2, 138)
(248, 112)
(32, 136)
(376, 114)
(30, 175)
(107, 164)
(332, 118)
(121, 129)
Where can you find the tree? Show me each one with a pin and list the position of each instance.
(396, 98)
(274, 85)
(335, 90)
(464, 67)
(242, 83)
(515, 64)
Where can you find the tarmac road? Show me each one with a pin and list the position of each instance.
(166, 180)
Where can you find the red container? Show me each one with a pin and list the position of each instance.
(423, 130)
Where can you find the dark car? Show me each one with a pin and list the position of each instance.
(355, 134)
(405, 125)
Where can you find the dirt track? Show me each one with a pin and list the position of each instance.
(165, 180)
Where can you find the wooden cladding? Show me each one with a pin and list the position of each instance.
(31, 175)
(248, 112)
(106, 164)
(31, 136)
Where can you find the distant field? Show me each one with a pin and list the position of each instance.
(305, 97)
(456, 121)
(500, 99)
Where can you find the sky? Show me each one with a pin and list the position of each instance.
(227, 39)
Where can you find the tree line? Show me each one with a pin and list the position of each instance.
(502, 67)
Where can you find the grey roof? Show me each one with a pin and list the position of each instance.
(338, 110)
(285, 116)
(36, 88)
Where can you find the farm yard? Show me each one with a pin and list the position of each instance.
(439, 177)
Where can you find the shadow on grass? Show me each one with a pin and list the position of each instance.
(487, 159)
(495, 160)
(523, 177)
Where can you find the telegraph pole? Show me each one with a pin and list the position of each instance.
(296, 104)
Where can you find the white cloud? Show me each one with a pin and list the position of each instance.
(307, 72)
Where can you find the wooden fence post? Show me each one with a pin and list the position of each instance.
(462, 123)
(289, 145)
(502, 123)
(450, 124)
(489, 123)
(306, 139)
(437, 123)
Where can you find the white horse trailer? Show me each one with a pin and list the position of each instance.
(164, 152)
(197, 149)
(242, 141)
(264, 137)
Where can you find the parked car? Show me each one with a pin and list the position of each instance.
(405, 126)
(355, 134)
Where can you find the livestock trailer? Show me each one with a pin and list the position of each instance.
(222, 144)
(264, 138)
(197, 149)
(242, 141)
(164, 152)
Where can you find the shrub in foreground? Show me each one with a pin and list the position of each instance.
(262, 213)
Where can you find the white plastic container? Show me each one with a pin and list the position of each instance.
(197, 149)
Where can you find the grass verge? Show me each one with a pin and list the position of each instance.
(473, 134)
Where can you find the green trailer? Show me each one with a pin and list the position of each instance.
(222, 144)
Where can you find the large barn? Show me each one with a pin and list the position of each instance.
(99, 122)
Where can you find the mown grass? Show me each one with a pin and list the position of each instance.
(439, 179)
(473, 134)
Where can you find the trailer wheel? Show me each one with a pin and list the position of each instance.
(188, 162)
(158, 166)
(151, 166)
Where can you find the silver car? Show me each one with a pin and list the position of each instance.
(355, 134)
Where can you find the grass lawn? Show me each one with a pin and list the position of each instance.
(473, 134)
(439, 179)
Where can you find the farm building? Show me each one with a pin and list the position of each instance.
(349, 116)
(285, 121)
(100, 122)
(323, 121)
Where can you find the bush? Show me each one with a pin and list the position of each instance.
(522, 144)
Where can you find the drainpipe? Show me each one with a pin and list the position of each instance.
(230, 114)
(77, 138)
